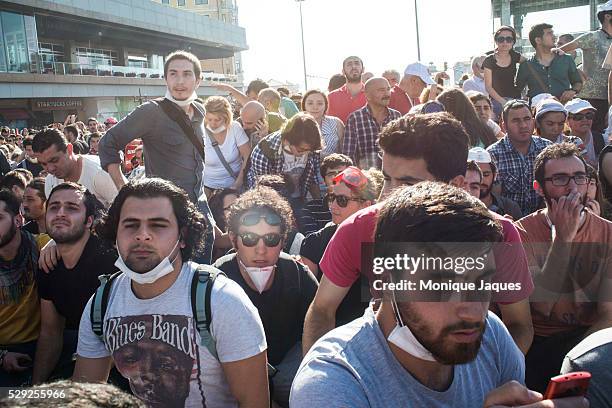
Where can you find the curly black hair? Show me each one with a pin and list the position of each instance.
(191, 222)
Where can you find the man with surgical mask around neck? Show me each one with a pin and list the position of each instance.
(280, 288)
(431, 353)
(149, 331)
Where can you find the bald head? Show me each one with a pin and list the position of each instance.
(251, 112)
(270, 99)
(378, 92)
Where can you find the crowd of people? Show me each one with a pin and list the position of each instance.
(220, 251)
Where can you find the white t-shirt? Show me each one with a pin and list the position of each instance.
(156, 346)
(215, 175)
(93, 177)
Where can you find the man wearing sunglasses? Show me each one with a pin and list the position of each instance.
(580, 121)
(432, 147)
(280, 288)
(570, 259)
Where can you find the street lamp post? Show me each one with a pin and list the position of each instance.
(416, 18)
(303, 49)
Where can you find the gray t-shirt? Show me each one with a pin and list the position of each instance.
(353, 366)
(155, 345)
(594, 354)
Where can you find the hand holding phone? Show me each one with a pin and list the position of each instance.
(573, 384)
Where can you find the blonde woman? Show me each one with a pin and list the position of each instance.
(226, 147)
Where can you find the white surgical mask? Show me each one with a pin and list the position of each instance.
(259, 276)
(217, 130)
(162, 269)
(403, 338)
(184, 103)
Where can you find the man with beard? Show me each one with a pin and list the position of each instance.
(33, 205)
(30, 162)
(157, 230)
(59, 159)
(19, 306)
(350, 96)
(493, 201)
(433, 354)
(363, 125)
(570, 259)
(64, 291)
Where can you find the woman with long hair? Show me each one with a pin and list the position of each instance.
(458, 104)
(315, 103)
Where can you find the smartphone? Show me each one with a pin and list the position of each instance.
(573, 384)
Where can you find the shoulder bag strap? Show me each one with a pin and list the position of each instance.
(181, 120)
(215, 146)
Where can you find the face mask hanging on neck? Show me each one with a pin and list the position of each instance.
(182, 104)
(259, 276)
(162, 269)
(403, 338)
(217, 130)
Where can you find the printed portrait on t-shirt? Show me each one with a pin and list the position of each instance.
(156, 354)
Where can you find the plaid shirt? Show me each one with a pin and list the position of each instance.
(361, 136)
(515, 171)
(263, 164)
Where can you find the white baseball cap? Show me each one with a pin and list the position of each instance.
(602, 8)
(479, 155)
(535, 101)
(549, 105)
(578, 105)
(419, 70)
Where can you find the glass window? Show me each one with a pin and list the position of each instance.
(165, 1)
(199, 2)
(180, 2)
(95, 56)
(32, 40)
(15, 43)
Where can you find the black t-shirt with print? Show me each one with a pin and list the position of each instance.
(283, 306)
(70, 289)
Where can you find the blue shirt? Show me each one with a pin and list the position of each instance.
(353, 366)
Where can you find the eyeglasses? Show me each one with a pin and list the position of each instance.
(581, 116)
(342, 200)
(250, 239)
(253, 219)
(500, 39)
(563, 179)
(351, 176)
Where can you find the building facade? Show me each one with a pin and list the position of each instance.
(97, 58)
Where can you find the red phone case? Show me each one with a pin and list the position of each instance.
(573, 384)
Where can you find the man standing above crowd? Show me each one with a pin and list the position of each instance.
(476, 82)
(57, 157)
(570, 259)
(514, 155)
(580, 119)
(350, 96)
(64, 291)
(595, 45)
(547, 72)
(406, 94)
(258, 225)
(360, 141)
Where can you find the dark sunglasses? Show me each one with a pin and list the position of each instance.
(253, 219)
(250, 239)
(342, 200)
(581, 116)
(500, 39)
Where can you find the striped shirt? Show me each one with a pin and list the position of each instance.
(330, 134)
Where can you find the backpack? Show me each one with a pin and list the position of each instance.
(201, 288)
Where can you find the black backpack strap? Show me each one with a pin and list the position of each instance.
(99, 303)
(181, 119)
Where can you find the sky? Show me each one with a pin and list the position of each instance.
(384, 36)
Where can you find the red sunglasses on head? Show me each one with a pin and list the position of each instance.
(352, 176)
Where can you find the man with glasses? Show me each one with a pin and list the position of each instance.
(514, 155)
(581, 115)
(547, 71)
(568, 249)
(280, 288)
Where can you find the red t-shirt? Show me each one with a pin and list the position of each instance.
(342, 103)
(342, 259)
(400, 100)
